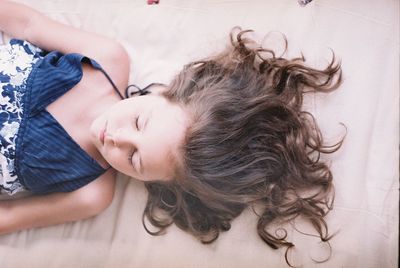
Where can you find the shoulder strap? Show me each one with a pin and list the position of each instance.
(98, 67)
(55, 75)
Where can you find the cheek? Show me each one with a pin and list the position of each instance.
(117, 111)
(121, 163)
(116, 159)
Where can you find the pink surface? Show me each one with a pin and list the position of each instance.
(160, 39)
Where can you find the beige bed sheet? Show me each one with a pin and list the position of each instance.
(160, 39)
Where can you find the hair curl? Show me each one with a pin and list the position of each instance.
(249, 144)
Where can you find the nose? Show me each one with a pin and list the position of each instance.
(119, 137)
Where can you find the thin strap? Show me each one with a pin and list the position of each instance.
(112, 83)
(132, 90)
(96, 65)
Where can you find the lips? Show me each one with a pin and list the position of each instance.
(102, 134)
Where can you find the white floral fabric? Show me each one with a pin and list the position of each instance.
(16, 61)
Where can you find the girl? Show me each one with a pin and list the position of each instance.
(65, 130)
(227, 133)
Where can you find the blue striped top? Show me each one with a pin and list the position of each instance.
(47, 159)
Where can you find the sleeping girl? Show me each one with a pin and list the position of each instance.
(227, 133)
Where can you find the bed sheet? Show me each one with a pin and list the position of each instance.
(160, 40)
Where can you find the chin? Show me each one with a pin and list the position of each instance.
(93, 129)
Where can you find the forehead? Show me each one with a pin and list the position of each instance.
(165, 125)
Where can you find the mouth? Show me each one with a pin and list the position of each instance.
(102, 134)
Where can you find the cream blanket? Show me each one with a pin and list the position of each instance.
(160, 39)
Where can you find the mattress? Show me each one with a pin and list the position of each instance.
(160, 39)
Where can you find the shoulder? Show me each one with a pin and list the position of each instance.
(107, 51)
(116, 62)
(98, 195)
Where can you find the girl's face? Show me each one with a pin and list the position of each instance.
(140, 136)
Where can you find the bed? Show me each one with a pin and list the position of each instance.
(160, 39)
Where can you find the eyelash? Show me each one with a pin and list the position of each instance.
(137, 122)
(130, 156)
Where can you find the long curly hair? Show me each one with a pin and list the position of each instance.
(249, 144)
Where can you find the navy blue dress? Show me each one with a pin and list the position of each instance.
(36, 152)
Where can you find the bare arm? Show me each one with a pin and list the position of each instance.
(56, 208)
(23, 22)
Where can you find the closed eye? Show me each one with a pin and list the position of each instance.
(130, 156)
(137, 122)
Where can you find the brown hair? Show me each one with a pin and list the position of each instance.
(249, 144)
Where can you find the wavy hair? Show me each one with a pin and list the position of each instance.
(249, 144)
